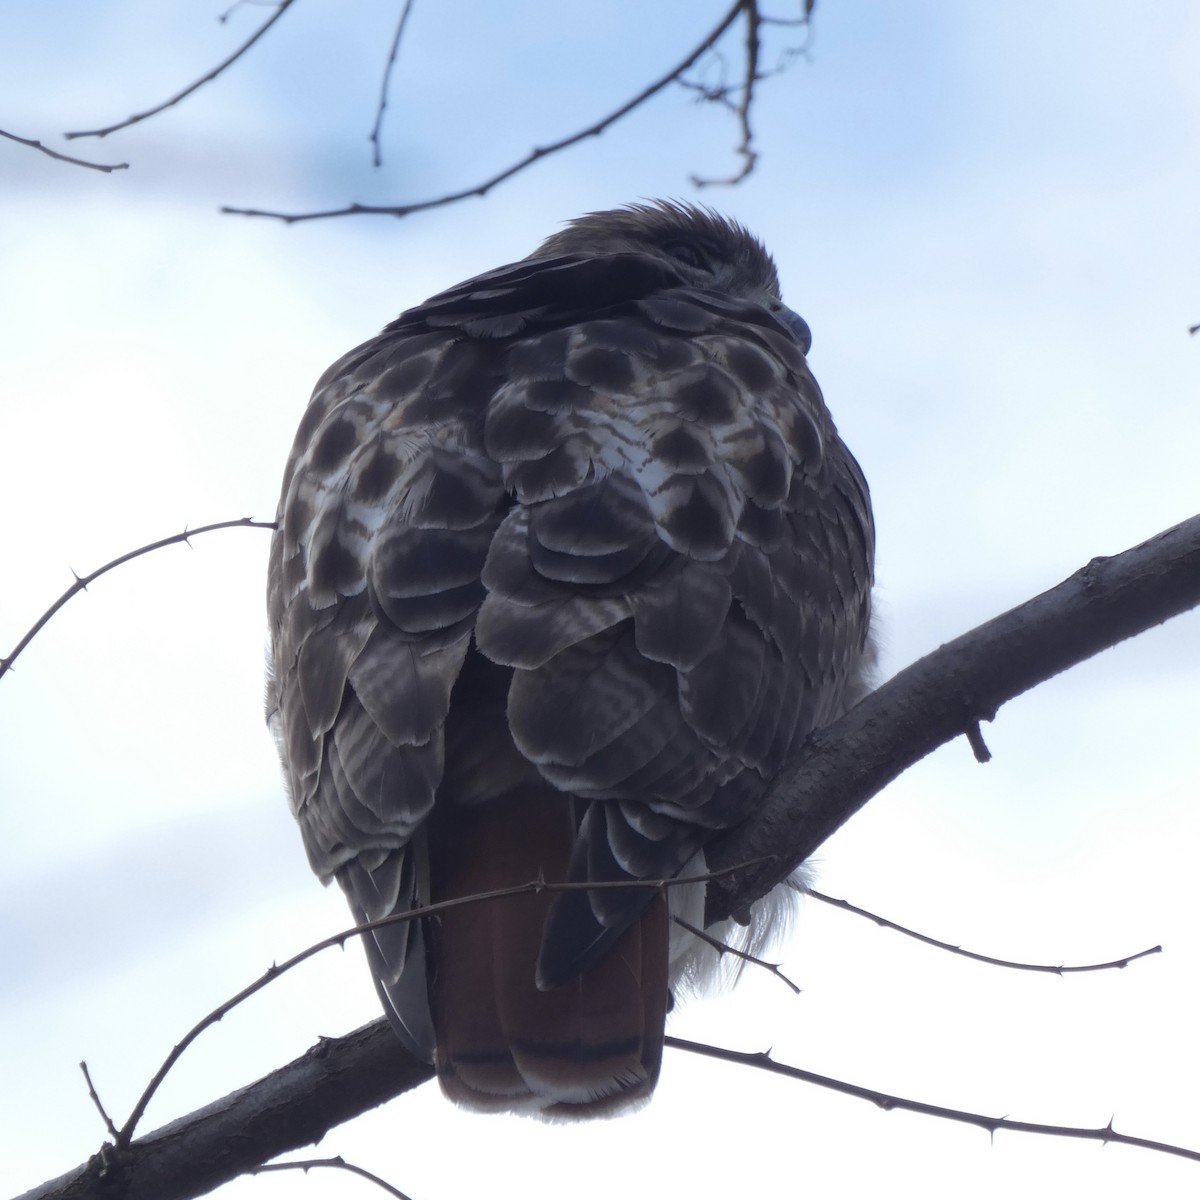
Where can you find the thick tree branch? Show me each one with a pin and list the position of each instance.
(336, 1080)
(927, 704)
(943, 694)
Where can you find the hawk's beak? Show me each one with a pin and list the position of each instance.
(794, 322)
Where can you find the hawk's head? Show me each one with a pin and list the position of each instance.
(706, 249)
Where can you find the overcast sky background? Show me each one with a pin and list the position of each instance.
(988, 216)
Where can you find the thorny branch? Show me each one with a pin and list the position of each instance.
(125, 1134)
(82, 581)
(337, 1163)
(340, 1078)
(107, 168)
(885, 1100)
(1117, 964)
(723, 948)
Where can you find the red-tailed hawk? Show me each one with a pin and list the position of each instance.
(570, 560)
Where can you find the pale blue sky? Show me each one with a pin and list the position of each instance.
(987, 214)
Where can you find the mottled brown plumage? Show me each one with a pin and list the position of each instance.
(570, 560)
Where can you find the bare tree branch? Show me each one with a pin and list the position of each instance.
(337, 1079)
(929, 703)
(376, 156)
(336, 1163)
(745, 148)
(107, 168)
(340, 1078)
(534, 155)
(82, 581)
(750, 9)
(1117, 964)
(885, 1100)
(943, 694)
(207, 77)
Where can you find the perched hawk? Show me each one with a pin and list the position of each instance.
(570, 560)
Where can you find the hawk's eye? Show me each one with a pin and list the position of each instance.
(690, 254)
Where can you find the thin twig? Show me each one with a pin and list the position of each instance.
(78, 162)
(1117, 964)
(712, 93)
(535, 155)
(337, 1163)
(208, 77)
(808, 7)
(745, 147)
(108, 1122)
(885, 1100)
(125, 1134)
(377, 157)
(82, 581)
(723, 948)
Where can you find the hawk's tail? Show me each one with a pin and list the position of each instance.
(586, 1047)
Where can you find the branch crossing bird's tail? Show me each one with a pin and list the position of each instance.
(580, 1048)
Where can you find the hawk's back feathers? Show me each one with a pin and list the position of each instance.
(570, 560)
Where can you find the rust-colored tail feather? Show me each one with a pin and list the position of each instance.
(587, 1047)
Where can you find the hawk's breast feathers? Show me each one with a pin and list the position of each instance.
(570, 560)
